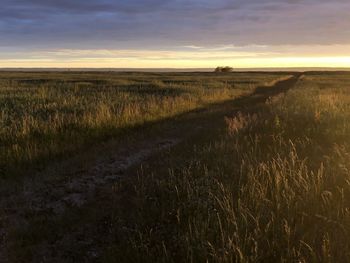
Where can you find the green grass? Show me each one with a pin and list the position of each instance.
(274, 187)
(47, 115)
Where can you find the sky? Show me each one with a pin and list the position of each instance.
(174, 33)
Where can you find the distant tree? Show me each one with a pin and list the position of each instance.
(227, 69)
(224, 69)
(218, 69)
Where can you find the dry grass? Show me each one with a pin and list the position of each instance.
(47, 115)
(274, 188)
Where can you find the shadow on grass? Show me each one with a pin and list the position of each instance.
(180, 125)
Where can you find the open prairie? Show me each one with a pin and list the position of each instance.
(174, 131)
(48, 115)
(174, 167)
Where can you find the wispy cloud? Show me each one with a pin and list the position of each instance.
(249, 56)
(201, 54)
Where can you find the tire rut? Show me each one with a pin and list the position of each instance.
(54, 197)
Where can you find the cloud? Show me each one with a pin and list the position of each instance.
(40, 25)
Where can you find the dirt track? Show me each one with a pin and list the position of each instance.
(74, 183)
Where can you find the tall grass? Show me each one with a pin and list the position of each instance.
(46, 115)
(274, 188)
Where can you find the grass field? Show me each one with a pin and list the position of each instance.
(47, 115)
(266, 179)
(273, 188)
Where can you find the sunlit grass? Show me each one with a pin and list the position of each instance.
(46, 115)
(273, 188)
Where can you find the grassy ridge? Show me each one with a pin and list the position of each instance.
(45, 115)
(274, 187)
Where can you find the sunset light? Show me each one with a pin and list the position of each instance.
(174, 34)
(175, 131)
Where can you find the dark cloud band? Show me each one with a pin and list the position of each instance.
(157, 23)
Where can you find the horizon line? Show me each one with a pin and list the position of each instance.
(170, 69)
